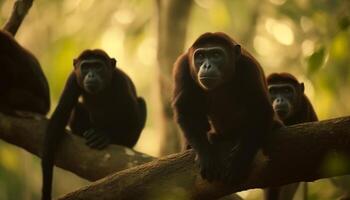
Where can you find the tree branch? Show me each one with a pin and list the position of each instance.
(73, 155)
(297, 153)
(19, 11)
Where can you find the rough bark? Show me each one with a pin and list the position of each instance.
(173, 17)
(73, 155)
(296, 153)
(19, 11)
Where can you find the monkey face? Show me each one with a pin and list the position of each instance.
(93, 74)
(283, 97)
(209, 61)
(212, 65)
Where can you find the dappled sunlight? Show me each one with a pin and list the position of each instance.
(307, 47)
(278, 2)
(205, 3)
(263, 45)
(308, 38)
(149, 142)
(219, 15)
(146, 52)
(280, 30)
(306, 24)
(9, 159)
(84, 5)
(124, 16)
(112, 41)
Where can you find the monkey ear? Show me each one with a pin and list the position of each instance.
(237, 50)
(113, 62)
(75, 62)
(302, 87)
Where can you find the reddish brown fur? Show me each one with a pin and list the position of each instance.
(238, 110)
(304, 113)
(23, 85)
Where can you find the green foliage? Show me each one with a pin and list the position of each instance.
(318, 51)
(335, 163)
(344, 23)
(316, 60)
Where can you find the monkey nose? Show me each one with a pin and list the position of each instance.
(91, 76)
(280, 100)
(207, 66)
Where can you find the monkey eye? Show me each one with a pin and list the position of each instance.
(84, 67)
(216, 55)
(199, 56)
(272, 91)
(287, 90)
(98, 66)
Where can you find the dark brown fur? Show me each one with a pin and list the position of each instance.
(23, 85)
(238, 111)
(116, 110)
(304, 113)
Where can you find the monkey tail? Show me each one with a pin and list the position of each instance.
(272, 193)
(47, 171)
(47, 182)
(51, 141)
(142, 113)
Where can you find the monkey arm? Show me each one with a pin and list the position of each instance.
(192, 121)
(55, 127)
(254, 128)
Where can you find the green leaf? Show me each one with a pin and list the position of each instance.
(344, 23)
(316, 60)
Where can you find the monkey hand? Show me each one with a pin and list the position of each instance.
(210, 165)
(238, 167)
(96, 139)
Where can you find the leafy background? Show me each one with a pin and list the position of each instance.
(309, 38)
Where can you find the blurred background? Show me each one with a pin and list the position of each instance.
(309, 38)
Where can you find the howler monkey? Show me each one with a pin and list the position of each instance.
(288, 99)
(23, 85)
(110, 111)
(292, 107)
(222, 105)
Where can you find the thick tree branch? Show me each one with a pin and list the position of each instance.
(73, 155)
(19, 11)
(297, 153)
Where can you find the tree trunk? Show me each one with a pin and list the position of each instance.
(173, 16)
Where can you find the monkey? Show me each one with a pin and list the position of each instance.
(222, 106)
(110, 111)
(23, 85)
(292, 107)
(289, 100)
